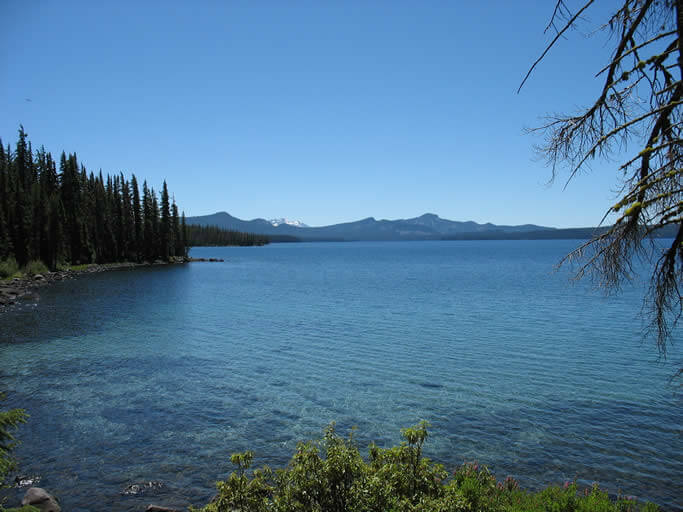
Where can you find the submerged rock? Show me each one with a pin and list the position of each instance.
(159, 508)
(142, 488)
(41, 499)
(26, 480)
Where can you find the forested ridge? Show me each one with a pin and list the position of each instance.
(63, 214)
(215, 236)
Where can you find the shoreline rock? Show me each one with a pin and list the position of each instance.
(41, 499)
(159, 508)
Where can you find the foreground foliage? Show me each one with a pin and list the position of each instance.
(331, 476)
(9, 421)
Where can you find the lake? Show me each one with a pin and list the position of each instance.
(159, 374)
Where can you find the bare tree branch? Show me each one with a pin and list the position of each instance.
(559, 34)
(640, 103)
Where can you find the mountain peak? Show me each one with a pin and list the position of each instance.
(288, 222)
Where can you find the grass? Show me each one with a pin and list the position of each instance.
(34, 267)
(9, 268)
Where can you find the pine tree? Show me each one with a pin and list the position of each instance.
(148, 230)
(70, 192)
(127, 221)
(165, 226)
(87, 213)
(156, 238)
(175, 230)
(183, 237)
(23, 210)
(137, 219)
(56, 251)
(5, 245)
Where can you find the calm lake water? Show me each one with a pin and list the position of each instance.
(161, 373)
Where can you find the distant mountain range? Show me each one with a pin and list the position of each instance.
(426, 227)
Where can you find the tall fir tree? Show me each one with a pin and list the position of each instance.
(175, 230)
(183, 237)
(148, 230)
(128, 221)
(23, 211)
(157, 246)
(165, 225)
(137, 218)
(5, 244)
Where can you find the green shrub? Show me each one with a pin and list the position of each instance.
(330, 475)
(239, 492)
(8, 267)
(34, 267)
(9, 421)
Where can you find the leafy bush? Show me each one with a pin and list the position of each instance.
(34, 267)
(331, 476)
(9, 421)
(8, 267)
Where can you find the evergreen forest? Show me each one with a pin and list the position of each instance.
(214, 236)
(62, 214)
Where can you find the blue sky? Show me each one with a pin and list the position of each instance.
(319, 111)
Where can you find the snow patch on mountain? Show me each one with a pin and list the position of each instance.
(282, 220)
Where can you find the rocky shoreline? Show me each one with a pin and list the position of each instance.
(45, 502)
(18, 288)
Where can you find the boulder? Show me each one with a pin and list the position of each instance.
(158, 508)
(41, 499)
(38, 277)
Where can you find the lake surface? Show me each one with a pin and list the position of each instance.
(161, 373)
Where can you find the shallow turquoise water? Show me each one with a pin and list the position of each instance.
(161, 373)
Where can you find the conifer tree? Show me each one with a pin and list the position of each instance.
(5, 243)
(56, 252)
(137, 218)
(148, 232)
(127, 221)
(6, 247)
(156, 235)
(165, 225)
(87, 223)
(183, 237)
(175, 230)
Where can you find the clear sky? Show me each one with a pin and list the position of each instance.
(319, 111)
